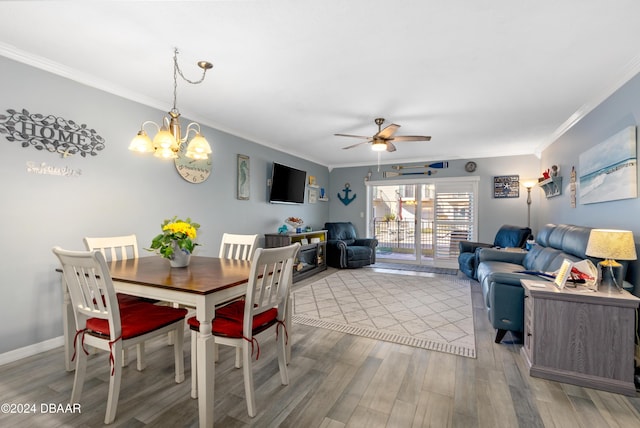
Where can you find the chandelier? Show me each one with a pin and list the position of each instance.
(168, 142)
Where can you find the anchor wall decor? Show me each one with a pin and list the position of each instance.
(346, 200)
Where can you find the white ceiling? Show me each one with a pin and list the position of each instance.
(482, 77)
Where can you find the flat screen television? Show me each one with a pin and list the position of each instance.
(287, 185)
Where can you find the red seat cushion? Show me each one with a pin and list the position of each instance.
(123, 300)
(138, 319)
(229, 318)
(232, 311)
(126, 299)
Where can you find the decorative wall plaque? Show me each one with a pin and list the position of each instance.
(50, 133)
(506, 186)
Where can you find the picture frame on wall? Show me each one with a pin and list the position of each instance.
(506, 186)
(313, 196)
(243, 178)
(608, 171)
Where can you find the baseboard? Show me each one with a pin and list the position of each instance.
(28, 351)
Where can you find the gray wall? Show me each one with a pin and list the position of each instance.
(620, 110)
(492, 213)
(118, 192)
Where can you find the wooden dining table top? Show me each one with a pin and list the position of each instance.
(204, 275)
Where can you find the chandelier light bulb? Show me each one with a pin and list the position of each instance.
(165, 140)
(141, 143)
(198, 148)
(165, 153)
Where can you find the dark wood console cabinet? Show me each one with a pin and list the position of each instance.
(311, 257)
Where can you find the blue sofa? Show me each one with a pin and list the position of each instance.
(499, 277)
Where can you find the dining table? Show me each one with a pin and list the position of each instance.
(205, 283)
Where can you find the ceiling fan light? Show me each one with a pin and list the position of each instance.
(379, 146)
(141, 143)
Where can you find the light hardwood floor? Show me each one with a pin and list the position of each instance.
(336, 380)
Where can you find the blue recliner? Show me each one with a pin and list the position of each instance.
(345, 250)
(507, 236)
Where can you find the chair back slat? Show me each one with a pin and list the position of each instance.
(114, 247)
(90, 287)
(269, 283)
(237, 247)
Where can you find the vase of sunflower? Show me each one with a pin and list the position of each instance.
(177, 241)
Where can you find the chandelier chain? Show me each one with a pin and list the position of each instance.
(176, 71)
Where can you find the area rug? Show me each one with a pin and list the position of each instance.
(414, 268)
(426, 311)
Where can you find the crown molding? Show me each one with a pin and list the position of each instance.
(631, 70)
(75, 75)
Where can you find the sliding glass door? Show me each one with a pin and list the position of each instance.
(421, 221)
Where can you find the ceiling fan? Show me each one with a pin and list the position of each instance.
(382, 140)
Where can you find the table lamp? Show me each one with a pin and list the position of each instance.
(609, 245)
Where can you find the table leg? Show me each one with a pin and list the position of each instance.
(206, 369)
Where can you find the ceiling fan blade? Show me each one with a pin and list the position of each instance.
(388, 131)
(390, 147)
(354, 145)
(412, 138)
(362, 137)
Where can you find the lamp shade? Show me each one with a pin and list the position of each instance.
(165, 153)
(141, 143)
(198, 148)
(611, 244)
(165, 140)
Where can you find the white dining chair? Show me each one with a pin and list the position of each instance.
(119, 248)
(114, 247)
(262, 311)
(101, 322)
(237, 247)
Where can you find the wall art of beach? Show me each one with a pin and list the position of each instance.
(608, 171)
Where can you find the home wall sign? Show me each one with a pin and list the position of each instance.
(50, 133)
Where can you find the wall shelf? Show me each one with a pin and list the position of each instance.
(551, 186)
